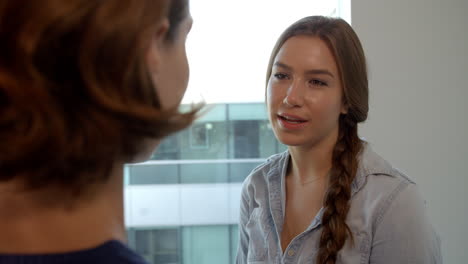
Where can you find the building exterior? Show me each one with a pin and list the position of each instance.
(182, 206)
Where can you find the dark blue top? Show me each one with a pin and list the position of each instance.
(110, 252)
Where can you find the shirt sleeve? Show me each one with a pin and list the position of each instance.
(403, 232)
(243, 245)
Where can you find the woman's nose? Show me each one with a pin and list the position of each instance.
(295, 94)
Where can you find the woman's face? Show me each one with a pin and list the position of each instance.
(169, 69)
(169, 65)
(304, 93)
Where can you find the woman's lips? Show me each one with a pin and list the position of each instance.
(291, 122)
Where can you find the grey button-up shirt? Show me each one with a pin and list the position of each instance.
(387, 218)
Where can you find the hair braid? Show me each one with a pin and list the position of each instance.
(335, 230)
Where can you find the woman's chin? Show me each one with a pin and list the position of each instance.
(290, 142)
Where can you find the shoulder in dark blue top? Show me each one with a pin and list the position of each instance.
(110, 252)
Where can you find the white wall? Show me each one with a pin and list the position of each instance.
(182, 204)
(417, 52)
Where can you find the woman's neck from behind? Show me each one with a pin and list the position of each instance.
(28, 228)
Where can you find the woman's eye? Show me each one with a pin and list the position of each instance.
(318, 82)
(280, 76)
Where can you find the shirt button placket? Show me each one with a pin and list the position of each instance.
(291, 254)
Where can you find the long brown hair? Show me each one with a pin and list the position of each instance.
(349, 56)
(76, 95)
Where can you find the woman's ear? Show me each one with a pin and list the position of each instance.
(153, 56)
(161, 30)
(344, 108)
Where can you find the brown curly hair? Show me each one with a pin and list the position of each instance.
(349, 56)
(76, 95)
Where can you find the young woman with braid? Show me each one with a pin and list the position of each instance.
(329, 198)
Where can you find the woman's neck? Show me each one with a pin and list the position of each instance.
(27, 228)
(311, 163)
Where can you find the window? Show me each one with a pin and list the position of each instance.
(199, 135)
(182, 206)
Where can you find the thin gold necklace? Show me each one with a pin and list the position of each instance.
(314, 180)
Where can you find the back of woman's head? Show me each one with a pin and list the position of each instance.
(350, 60)
(76, 95)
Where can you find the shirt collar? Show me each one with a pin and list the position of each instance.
(370, 163)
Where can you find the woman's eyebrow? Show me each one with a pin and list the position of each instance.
(314, 71)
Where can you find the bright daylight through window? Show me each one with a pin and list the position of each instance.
(182, 206)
